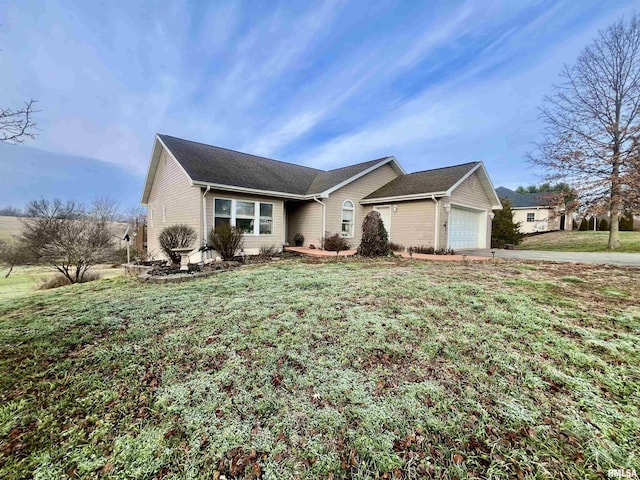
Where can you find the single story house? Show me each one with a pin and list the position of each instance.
(534, 213)
(204, 186)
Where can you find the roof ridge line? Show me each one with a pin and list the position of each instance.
(242, 153)
(444, 168)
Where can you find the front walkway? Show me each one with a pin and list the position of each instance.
(314, 252)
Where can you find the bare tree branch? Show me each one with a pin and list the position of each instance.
(17, 125)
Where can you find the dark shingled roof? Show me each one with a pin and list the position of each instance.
(206, 163)
(427, 181)
(522, 200)
(326, 180)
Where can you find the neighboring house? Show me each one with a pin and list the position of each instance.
(533, 212)
(204, 186)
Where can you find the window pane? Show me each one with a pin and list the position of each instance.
(266, 210)
(223, 207)
(221, 221)
(347, 204)
(347, 215)
(245, 224)
(347, 228)
(245, 209)
(266, 226)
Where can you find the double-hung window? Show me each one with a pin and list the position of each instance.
(266, 218)
(252, 218)
(531, 217)
(245, 216)
(347, 218)
(222, 212)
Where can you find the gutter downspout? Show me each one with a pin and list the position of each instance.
(437, 220)
(324, 219)
(204, 221)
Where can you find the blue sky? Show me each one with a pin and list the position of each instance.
(323, 84)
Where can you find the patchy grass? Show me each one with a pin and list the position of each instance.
(576, 241)
(338, 369)
(26, 280)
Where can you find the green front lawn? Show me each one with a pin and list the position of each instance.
(576, 241)
(343, 369)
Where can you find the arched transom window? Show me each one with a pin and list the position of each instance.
(348, 212)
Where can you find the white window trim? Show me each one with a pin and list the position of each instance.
(164, 214)
(353, 219)
(256, 215)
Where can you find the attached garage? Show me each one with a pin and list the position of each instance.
(466, 228)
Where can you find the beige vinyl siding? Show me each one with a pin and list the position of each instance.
(545, 219)
(355, 191)
(305, 218)
(252, 243)
(172, 190)
(412, 223)
(471, 193)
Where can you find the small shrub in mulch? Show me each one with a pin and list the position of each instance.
(335, 243)
(429, 250)
(396, 247)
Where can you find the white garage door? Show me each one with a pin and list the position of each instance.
(464, 228)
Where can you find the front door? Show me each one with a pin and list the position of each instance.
(385, 213)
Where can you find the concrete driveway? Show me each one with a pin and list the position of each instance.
(603, 258)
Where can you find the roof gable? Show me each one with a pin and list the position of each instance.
(426, 182)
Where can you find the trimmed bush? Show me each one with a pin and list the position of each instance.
(626, 222)
(335, 243)
(226, 240)
(603, 225)
(396, 247)
(429, 250)
(584, 225)
(176, 236)
(375, 240)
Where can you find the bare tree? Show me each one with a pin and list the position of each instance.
(592, 125)
(68, 237)
(12, 253)
(17, 125)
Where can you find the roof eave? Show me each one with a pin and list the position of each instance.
(401, 198)
(253, 191)
(151, 172)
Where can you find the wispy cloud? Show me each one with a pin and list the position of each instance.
(321, 83)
